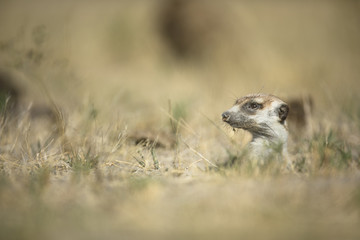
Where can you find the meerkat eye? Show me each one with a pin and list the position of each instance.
(254, 106)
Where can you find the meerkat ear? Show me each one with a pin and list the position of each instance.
(283, 111)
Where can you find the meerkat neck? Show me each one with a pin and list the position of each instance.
(277, 140)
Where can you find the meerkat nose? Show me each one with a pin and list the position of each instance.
(225, 116)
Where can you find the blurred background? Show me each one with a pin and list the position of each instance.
(134, 92)
(131, 56)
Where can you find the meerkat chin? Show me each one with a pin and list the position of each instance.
(264, 116)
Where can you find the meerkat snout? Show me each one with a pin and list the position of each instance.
(225, 116)
(264, 116)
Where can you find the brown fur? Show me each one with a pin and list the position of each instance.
(268, 99)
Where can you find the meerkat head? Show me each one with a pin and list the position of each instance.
(261, 114)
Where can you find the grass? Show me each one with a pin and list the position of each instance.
(110, 188)
(80, 175)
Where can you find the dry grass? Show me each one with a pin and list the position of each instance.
(111, 81)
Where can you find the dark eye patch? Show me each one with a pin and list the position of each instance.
(252, 106)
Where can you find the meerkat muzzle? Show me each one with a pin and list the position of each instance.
(225, 116)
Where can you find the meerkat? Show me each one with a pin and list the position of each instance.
(264, 116)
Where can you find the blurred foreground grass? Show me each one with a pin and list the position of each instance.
(133, 154)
